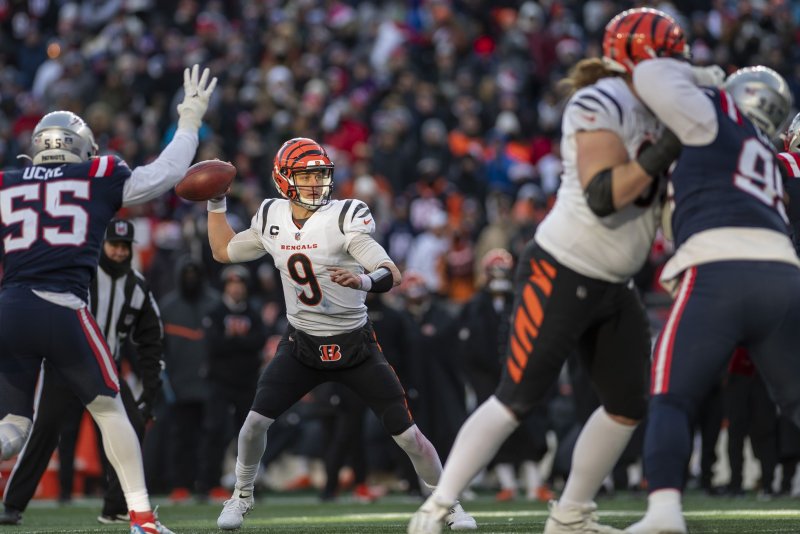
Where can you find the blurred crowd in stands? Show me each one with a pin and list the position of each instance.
(443, 115)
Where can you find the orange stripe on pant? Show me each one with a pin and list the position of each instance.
(524, 329)
(541, 275)
(520, 355)
(528, 318)
(514, 370)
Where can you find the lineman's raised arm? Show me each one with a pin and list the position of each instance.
(150, 181)
(669, 88)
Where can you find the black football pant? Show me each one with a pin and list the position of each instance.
(57, 404)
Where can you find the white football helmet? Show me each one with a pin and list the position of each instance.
(62, 137)
(762, 94)
(791, 141)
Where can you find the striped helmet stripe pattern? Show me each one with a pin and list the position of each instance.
(302, 153)
(639, 34)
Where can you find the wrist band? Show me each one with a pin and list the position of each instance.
(366, 282)
(217, 205)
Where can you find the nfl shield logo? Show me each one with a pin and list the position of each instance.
(297, 236)
(121, 228)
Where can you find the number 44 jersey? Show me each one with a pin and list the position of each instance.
(52, 221)
(314, 303)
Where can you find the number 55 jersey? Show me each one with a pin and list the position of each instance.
(314, 303)
(53, 218)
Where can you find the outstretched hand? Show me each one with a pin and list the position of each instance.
(345, 278)
(197, 92)
(709, 76)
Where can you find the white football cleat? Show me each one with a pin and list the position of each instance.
(234, 510)
(666, 524)
(432, 516)
(458, 519)
(429, 519)
(576, 520)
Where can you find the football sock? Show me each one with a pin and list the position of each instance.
(251, 447)
(533, 479)
(122, 449)
(245, 479)
(506, 476)
(476, 444)
(664, 511)
(421, 453)
(597, 450)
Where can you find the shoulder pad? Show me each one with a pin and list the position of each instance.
(106, 166)
(260, 218)
(356, 217)
(595, 108)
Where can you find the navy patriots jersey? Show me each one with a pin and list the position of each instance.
(791, 162)
(733, 182)
(52, 221)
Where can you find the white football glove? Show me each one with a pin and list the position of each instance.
(197, 90)
(711, 76)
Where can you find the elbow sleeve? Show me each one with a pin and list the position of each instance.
(382, 280)
(598, 194)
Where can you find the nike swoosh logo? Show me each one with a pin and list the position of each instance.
(367, 221)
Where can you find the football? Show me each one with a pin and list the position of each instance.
(206, 180)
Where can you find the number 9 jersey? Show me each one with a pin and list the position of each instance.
(314, 303)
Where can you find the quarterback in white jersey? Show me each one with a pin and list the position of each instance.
(315, 303)
(328, 262)
(573, 289)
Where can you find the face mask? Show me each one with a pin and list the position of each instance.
(114, 269)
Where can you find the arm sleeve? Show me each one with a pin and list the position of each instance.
(148, 337)
(247, 245)
(368, 252)
(151, 181)
(667, 87)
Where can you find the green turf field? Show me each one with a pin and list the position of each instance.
(304, 514)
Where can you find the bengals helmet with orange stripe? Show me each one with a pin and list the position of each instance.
(639, 34)
(303, 173)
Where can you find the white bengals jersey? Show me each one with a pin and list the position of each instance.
(611, 248)
(314, 303)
